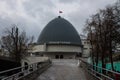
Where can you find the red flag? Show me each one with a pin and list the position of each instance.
(60, 12)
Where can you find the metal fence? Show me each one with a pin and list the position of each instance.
(96, 71)
(21, 72)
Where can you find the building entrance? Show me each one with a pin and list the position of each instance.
(59, 56)
(56, 56)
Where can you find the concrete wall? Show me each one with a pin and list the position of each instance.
(67, 51)
(56, 48)
(33, 59)
(65, 55)
(63, 48)
(38, 48)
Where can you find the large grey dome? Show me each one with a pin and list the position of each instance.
(59, 31)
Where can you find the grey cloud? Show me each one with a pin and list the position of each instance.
(86, 9)
(68, 1)
(34, 7)
(35, 14)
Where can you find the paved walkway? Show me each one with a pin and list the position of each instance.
(63, 70)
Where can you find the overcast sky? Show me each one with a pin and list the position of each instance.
(33, 15)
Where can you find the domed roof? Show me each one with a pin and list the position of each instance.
(59, 31)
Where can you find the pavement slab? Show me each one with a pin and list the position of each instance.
(63, 69)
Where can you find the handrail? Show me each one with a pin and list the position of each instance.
(95, 73)
(12, 69)
(21, 72)
(102, 75)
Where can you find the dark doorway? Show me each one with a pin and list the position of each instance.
(56, 56)
(61, 57)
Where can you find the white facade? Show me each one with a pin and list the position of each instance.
(86, 48)
(57, 50)
(38, 48)
(63, 48)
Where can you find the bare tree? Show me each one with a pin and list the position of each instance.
(103, 30)
(16, 42)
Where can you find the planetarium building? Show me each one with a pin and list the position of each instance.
(58, 40)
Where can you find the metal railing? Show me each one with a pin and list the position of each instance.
(96, 71)
(21, 72)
